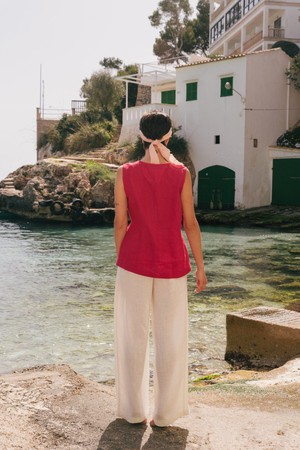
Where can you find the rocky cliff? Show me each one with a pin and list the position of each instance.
(76, 189)
(61, 190)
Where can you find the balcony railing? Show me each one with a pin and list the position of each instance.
(78, 106)
(276, 33)
(134, 114)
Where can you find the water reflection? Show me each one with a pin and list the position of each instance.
(57, 285)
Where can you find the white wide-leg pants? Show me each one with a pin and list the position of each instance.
(137, 298)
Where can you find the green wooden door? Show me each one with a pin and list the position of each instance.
(216, 187)
(286, 182)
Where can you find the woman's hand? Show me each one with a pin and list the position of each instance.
(201, 280)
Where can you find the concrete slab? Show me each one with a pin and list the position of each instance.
(262, 337)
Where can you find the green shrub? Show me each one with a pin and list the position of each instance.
(290, 138)
(177, 145)
(89, 137)
(98, 171)
(293, 73)
(43, 140)
(56, 137)
(78, 133)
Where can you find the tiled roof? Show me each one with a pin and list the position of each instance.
(222, 58)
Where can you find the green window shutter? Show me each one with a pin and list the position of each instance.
(168, 97)
(226, 92)
(191, 91)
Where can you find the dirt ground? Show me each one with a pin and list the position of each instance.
(52, 407)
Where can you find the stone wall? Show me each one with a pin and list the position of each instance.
(143, 95)
(43, 126)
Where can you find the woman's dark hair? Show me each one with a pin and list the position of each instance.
(154, 125)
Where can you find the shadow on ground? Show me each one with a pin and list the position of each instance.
(120, 435)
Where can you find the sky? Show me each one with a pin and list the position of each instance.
(64, 40)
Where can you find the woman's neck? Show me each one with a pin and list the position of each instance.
(147, 159)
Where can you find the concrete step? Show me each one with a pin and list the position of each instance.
(8, 183)
(262, 337)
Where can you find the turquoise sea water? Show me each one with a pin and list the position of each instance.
(57, 285)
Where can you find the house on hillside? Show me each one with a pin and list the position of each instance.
(231, 110)
(251, 25)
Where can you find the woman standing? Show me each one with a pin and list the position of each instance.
(153, 263)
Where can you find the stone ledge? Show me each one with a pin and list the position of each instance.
(262, 337)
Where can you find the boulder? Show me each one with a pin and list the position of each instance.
(262, 337)
(102, 194)
(48, 189)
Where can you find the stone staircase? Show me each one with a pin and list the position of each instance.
(8, 183)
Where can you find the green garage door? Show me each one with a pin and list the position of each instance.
(286, 182)
(216, 186)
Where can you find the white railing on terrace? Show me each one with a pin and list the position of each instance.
(51, 114)
(133, 115)
(77, 106)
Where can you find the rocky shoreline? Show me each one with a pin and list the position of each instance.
(66, 191)
(61, 190)
(276, 217)
(52, 406)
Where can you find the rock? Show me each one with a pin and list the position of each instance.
(26, 191)
(102, 194)
(52, 406)
(262, 337)
(279, 217)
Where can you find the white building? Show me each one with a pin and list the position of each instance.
(241, 105)
(232, 110)
(251, 25)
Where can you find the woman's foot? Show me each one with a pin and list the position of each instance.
(153, 424)
(144, 422)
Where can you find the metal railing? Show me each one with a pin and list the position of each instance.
(78, 106)
(50, 114)
(276, 33)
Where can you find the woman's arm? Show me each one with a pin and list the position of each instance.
(121, 216)
(192, 231)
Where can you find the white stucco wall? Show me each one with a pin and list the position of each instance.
(262, 107)
(213, 115)
(265, 120)
(290, 19)
(158, 89)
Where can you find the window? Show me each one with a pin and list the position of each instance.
(226, 86)
(217, 30)
(233, 15)
(168, 97)
(249, 4)
(277, 23)
(255, 143)
(217, 139)
(191, 91)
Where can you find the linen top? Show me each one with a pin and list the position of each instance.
(153, 245)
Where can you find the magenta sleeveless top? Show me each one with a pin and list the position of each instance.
(153, 245)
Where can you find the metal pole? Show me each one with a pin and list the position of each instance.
(40, 86)
(43, 98)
